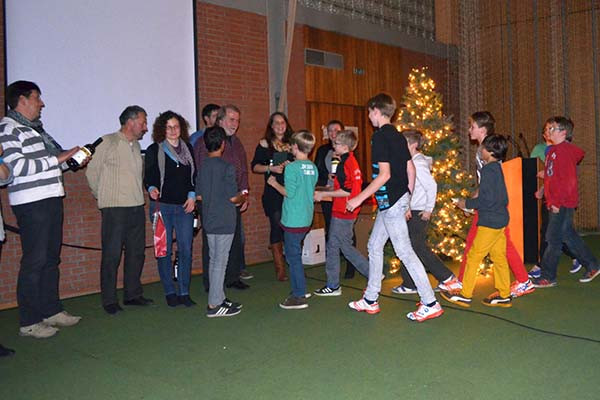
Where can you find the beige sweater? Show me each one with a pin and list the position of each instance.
(115, 172)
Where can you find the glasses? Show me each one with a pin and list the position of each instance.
(553, 128)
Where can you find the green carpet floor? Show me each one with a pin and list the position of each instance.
(546, 347)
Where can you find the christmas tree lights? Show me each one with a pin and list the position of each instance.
(423, 111)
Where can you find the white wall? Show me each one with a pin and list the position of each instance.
(92, 58)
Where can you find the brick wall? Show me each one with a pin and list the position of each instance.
(233, 68)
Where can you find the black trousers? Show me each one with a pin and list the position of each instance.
(417, 231)
(236, 256)
(123, 228)
(41, 224)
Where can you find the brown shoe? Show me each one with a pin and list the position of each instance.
(279, 261)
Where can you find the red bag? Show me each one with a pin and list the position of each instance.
(160, 234)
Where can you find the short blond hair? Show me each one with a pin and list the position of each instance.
(347, 138)
(305, 141)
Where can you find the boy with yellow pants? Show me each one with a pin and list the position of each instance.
(491, 203)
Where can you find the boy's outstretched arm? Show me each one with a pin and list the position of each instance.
(383, 176)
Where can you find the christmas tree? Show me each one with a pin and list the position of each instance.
(423, 111)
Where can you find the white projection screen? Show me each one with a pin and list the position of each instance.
(93, 58)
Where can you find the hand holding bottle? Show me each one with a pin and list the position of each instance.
(66, 155)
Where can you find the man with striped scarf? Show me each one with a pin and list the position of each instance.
(36, 197)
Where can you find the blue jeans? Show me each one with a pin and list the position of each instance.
(292, 243)
(391, 224)
(174, 216)
(560, 230)
(218, 247)
(340, 239)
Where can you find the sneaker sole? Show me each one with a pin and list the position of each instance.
(503, 305)
(587, 280)
(339, 293)
(575, 270)
(457, 302)
(25, 334)
(395, 292)
(224, 314)
(431, 316)
(545, 286)
(364, 310)
(298, 307)
(529, 291)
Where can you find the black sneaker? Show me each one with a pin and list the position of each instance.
(172, 300)
(327, 291)
(138, 301)
(494, 300)
(186, 300)
(232, 304)
(294, 303)
(456, 298)
(112, 309)
(222, 311)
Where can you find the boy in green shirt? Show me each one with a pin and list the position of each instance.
(300, 178)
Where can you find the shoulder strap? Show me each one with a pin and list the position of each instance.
(161, 165)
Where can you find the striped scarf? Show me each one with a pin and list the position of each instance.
(51, 145)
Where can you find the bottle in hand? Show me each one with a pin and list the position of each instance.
(84, 153)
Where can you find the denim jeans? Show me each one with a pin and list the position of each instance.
(292, 243)
(560, 230)
(175, 217)
(391, 224)
(219, 246)
(340, 239)
(40, 223)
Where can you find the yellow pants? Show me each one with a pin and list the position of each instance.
(492, 241)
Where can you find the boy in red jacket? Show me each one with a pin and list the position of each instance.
(346, 185)
(562, 198)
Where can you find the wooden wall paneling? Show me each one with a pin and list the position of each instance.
(548, 104)
(367, 60)
(581, 106)
(327, 84)
(524, 74)
(318, 114)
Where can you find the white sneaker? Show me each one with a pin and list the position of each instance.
(424, 313)
(362, 305)
(38, 331)
(63, 318)
(403, 290)
(451, 285)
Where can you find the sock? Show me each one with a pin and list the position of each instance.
(431, 304)
(370, 302)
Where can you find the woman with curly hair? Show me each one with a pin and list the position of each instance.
(169, 177)
(272, 154)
